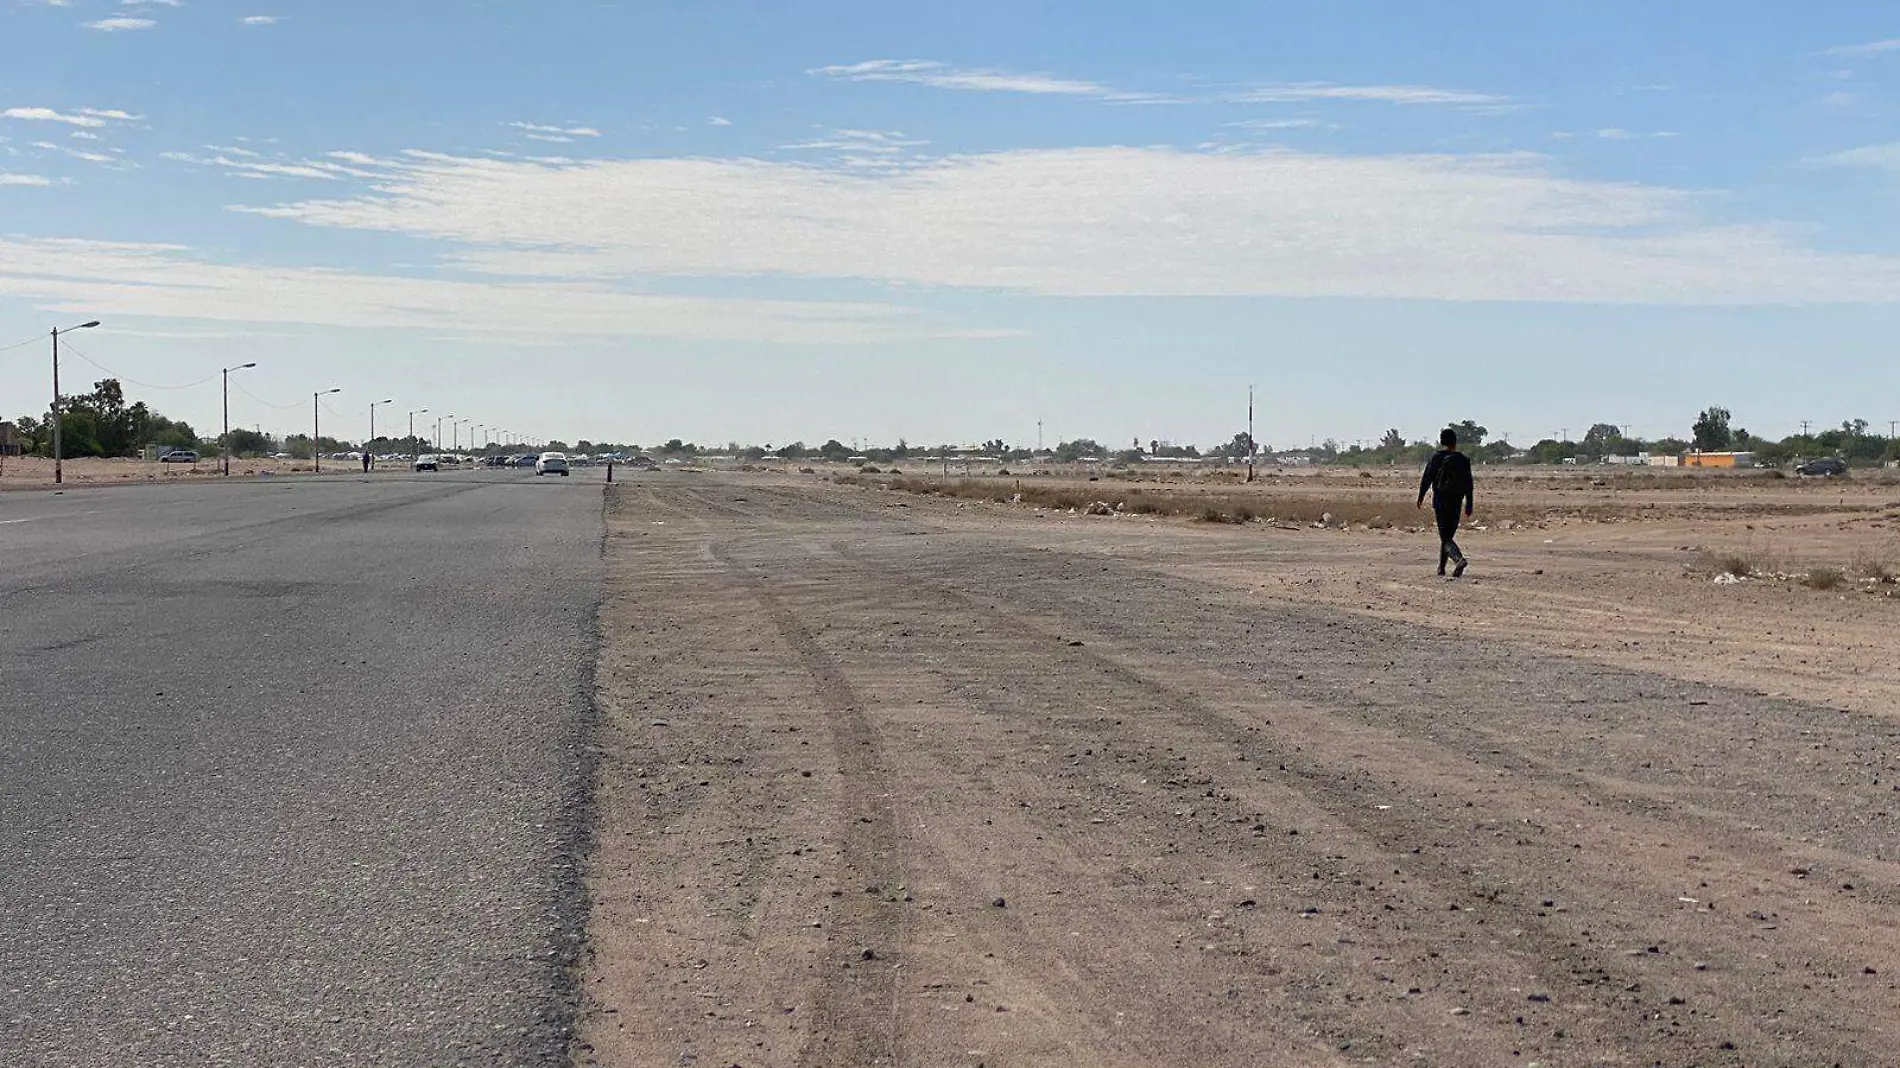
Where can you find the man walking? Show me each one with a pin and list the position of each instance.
(1448, 478)
(366, 457)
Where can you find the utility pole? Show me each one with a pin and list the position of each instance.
(316, 429)
(59, 413)
(1251, 447)
(224, 443)
(415, 447)
(1038, 435)
(372, 422)
(1804, 428)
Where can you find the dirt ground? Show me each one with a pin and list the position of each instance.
(890, 778)
(33, 472)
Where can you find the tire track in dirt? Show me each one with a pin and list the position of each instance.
(1194, 750)
(855, 1019)
(1608, 979)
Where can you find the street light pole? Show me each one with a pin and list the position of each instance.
(437, 440)
(224, 443)
(316, 428)
(415, 447)
(373, 430)
(59, 414)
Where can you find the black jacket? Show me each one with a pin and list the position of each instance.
(1448, 478)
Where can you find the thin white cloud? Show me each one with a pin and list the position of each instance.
(1871, 48)
(169, 282)
(565, 132)
(83, 135)
(245, 164)
(90, 157)
(120, 23)
(1282, 124)
(1612, 133)
(1303, 92)
(9, 178)
(937, 75)
(87, 118)
(260, 20)
(1108, 222)
(1880, 157)
(719, 121)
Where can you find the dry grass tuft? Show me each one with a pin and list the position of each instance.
(1825, 578)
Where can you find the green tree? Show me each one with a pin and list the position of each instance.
(1470, 434)
(1393, 440)
(1071, 451)
(795, 451)
(253, 443)
(1711, 430)
(833, 450)
(1603, 439)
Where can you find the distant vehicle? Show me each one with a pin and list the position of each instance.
(550, 463)
(1826, 467)
(526, 459)
(179, 456)
(1570, 461)
(580, 461)
(428, 463)
(494, 461)
(644, 463)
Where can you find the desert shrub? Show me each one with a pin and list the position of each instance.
(869, 469)
(1732, 564)
(1825, 578)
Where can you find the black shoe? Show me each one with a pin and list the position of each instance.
(1459, 571)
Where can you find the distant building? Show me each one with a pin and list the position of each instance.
(1718, 459)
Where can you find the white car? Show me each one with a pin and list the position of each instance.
(551, 463)
(428, 463)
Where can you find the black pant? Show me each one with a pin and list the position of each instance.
(1447, 537)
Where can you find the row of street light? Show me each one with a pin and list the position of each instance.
(224, 441)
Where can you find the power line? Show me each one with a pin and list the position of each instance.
(239, 386)
(68, 347)
(21, 344)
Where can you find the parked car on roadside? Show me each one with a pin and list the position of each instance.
(550, 463)
(1826, 467)
(179, 456)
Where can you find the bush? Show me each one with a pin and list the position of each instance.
(1825, 578)
(1733, 564)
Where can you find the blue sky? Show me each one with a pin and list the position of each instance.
(947, 222)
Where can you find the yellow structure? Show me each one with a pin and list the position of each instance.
(1718, 459)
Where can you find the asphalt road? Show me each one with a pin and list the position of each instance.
(293, 772)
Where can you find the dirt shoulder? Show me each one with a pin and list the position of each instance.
(902, 780)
